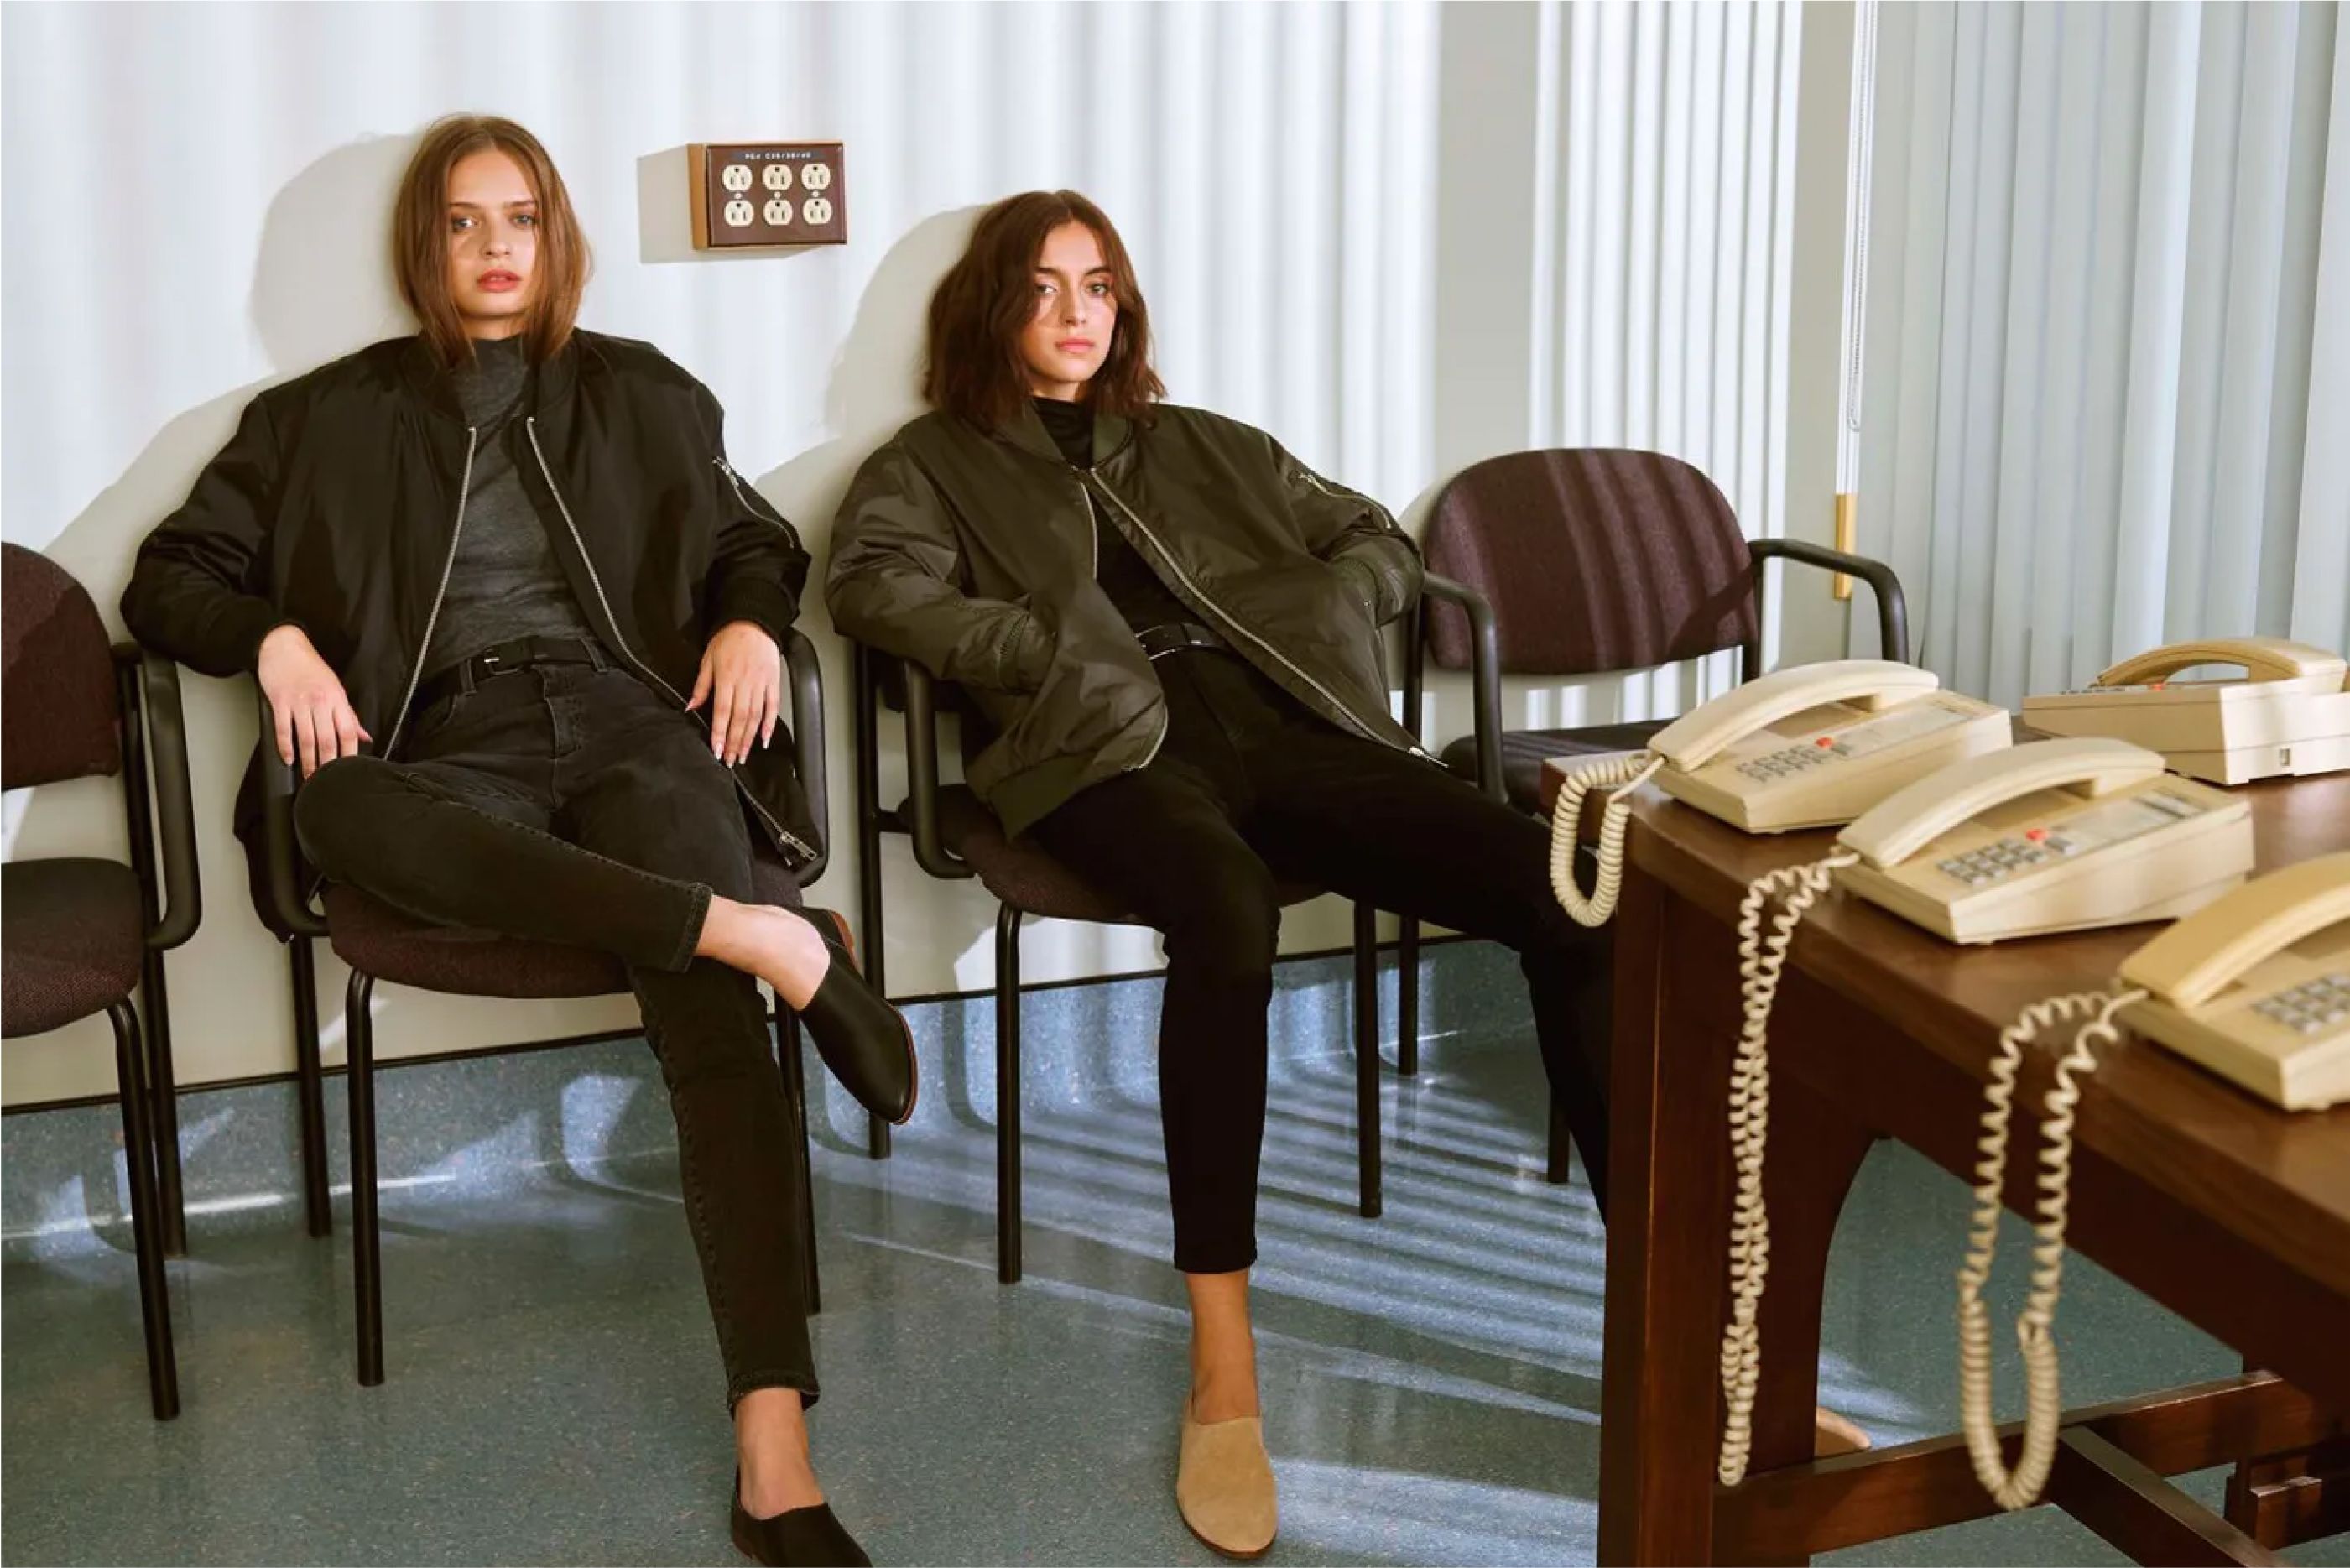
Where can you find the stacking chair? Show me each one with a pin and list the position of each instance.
(80, 934)
(1595, 562)
(956, 837)
(380, 943)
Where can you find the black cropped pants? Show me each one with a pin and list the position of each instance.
(1249, 787)
(575, 804)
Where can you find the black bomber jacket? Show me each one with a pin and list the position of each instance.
(335, 507)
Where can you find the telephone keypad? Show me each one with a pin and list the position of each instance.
(1790, 761)
(2310, 1006)
(1995, 860)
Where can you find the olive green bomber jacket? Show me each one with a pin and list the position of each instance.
(972, 554)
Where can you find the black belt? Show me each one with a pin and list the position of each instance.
(1175, 637)
(506, 659)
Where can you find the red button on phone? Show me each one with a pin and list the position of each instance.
(2035, 834)
(1824, 742)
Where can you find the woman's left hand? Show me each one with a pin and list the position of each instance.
(742, 678)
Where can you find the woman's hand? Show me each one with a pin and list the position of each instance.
(742, 678)
(314, 715)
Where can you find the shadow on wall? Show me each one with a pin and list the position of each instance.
(322, 286)
(875, 386)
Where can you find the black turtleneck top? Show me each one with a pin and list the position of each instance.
(1141, 595)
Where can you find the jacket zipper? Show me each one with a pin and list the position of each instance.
(743, 499)
(530, 428)
(432, 619)
(1287, 662)
(1093, 537)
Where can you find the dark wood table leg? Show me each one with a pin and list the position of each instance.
(1675, 1003)
(2283, 1502)
(1815, 1153)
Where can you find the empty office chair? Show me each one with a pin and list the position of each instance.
(80, 934)
(1596, 562)
(380, 943)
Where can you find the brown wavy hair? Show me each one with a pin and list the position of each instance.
(988, 297)
(420, 237)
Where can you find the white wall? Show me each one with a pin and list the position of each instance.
(195, 200)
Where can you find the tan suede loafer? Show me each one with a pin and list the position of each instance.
(1223, 1485)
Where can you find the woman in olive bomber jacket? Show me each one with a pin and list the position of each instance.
(1172, 627)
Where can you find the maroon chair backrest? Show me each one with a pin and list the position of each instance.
(58, 699)
(1593, 559)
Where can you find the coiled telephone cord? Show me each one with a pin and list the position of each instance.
(2020, 1487)
(1566, 831)
(1761, 960)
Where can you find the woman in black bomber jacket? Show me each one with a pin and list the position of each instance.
(500, 555)
(1172, 626)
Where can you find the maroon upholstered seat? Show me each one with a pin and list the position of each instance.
(1594, 560)
(1523, 751)
(376, 939)
(74, 937)
(1025, 876)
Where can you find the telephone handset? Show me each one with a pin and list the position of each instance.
(2288, 715)
(2051, 836)
(1807, 746)
(2255, 986)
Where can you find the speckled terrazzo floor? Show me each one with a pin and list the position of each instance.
(1430, 1378)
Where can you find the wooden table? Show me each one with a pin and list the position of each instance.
(2232, 1214)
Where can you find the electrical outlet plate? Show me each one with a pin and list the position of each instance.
(763, 194)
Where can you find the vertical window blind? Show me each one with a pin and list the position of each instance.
(2107, 387)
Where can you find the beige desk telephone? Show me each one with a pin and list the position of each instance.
(2255, 986)
(2287, 716)
(1808, 747)
(2054, 836)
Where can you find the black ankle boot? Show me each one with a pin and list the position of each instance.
(862, 1039)
(796, 1538)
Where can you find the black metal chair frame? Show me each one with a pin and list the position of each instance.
(1485, 694)
(155, 730)
(150, 688)
(291, 906)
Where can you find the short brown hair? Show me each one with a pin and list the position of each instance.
(420, 237)
(988, 298)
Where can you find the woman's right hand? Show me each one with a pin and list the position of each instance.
(314, 716)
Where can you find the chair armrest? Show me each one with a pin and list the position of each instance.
(151, 690)
(804, 674)
(923, 774)
(1892, 609)
(279, 781)
(1484, 675)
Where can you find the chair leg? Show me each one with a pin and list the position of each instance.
(1367, 1056)
(146, 1238)
(1556, 1171)
(367, 1241)
(868, 884)
(310, 1089)
(795, 1071)
(1007, 1096)
(164, 1094)
(1408, 997)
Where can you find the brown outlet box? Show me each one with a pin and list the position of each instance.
(766, 193)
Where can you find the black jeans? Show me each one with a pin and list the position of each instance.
(1251, 785)
(575, 804)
